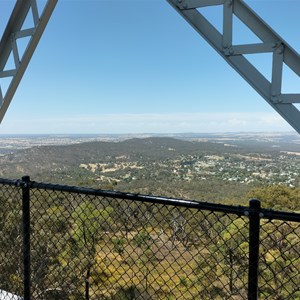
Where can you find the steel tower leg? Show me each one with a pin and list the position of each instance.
(9, 44)
(271, 42)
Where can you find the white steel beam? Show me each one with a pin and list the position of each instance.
(8, 44)
(234, 55)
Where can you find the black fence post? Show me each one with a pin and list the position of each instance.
(26, 234)
(254, 227)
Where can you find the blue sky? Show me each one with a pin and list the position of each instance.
(135, 66)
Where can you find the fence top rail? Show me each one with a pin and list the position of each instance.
(201, 205)
(280, 215)
(13, 182)
(195, 204)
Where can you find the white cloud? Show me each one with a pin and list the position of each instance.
(151, 123)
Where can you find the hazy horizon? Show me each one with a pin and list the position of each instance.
(291, 132)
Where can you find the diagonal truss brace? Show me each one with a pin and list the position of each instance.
(9, 44)
(235, 54)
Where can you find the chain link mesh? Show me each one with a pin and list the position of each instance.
(87, 247)
(95, 247)
(280, 260)
(11, 241)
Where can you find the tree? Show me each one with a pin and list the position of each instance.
(230, 253)
(280, 261)
(49, 233)
(144, 243)
(277, 197)
(11, 244)
(89, 226)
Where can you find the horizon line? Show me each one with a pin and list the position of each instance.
(154, 133)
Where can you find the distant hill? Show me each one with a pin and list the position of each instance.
(46, 158)
(223, 168)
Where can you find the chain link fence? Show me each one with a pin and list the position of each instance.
(78, 243)
(11, 253)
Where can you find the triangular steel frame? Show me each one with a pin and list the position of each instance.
(8, 44)
(282, 52)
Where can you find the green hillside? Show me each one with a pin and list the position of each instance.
(213, 171)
